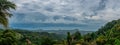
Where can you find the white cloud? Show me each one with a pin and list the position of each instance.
(80, 9)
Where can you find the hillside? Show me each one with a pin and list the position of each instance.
(36, 38)
(108, 34)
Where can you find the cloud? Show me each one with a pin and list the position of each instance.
(66, 11)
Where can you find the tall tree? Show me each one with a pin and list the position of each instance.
(77, 35)
(5, 7)
(69, 38)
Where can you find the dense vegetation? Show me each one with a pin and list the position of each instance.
(106, 35)
(23, 37)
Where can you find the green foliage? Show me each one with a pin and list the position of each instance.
(9, 37)
(87, 37)
(77, 35)
(101, 40)
(39, 38)
(47, 41)
(5, 7)
(69, 39)
(106, 35)
(117, 42)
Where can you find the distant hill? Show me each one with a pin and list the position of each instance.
(110, 26)
(64, 32)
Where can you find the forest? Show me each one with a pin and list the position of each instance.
(106, 35)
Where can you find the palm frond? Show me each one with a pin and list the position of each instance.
(4, 21)
(5, 7)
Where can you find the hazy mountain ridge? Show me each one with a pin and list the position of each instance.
(63, 31)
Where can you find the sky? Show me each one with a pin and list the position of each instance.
(64, 14)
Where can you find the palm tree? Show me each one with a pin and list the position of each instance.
(5, 7)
